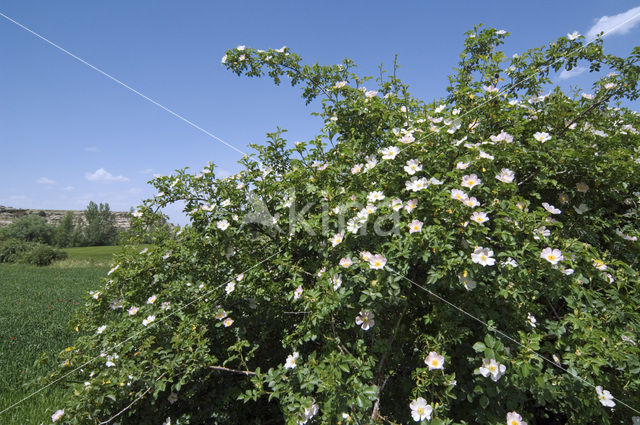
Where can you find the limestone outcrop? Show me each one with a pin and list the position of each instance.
(8, 215)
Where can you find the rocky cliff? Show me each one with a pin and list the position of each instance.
(8, 215)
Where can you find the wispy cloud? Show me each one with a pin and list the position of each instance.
(621, 23)
(69, 188)
(45, 180)
(222, 173)
(15, 198)
(565, 75)
(103, 176)
(91, 149)
(146, 171)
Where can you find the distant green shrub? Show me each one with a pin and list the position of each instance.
(11, 250)
(30, 228)
(42, 255)
(18, 251)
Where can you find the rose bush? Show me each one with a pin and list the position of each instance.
(470, 260)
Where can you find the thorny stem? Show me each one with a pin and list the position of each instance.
(319, 87)
(555, 313)
(132, 403)
(374, 414)
(389, 344)
(226, 369)
(589, 109)
(376, 406)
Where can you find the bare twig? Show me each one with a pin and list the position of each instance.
(314, 83)
(392, 337)
(376, 406)
(555, 313)
(140, 397)
(523, 181)
(345, 349)
(226, 369)
(586, 111)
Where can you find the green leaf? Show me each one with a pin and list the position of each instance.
(484, 401)
(479, 347)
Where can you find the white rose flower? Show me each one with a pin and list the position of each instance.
(365, 320)
(490, 367)
(420, 410)
(291, 360)
(506, 175)
(541, 136)
(605, 397)
(514, 418)
(57, 415)
(552, 255)
(470, 181)
(434, 361)
(483, 256)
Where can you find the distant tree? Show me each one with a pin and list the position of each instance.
(101, 225)
(78, 236)
(148, 231)
(65, 231)
(30, 228)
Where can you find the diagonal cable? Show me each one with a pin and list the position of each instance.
(112, 349)
(506, 336)
(507, 87)
(236, 149)
(109, 76)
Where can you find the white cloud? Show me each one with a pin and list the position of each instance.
(45, 180)
(69, 188)
(564, 75)
(91, 149)
(103, 176)
(146, 171)
(621, 23)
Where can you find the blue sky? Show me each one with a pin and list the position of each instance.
(69, 135)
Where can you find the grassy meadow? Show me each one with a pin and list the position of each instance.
(36, 305)
(100, 256)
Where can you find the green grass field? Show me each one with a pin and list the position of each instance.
(36, 305)
(89, 256)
